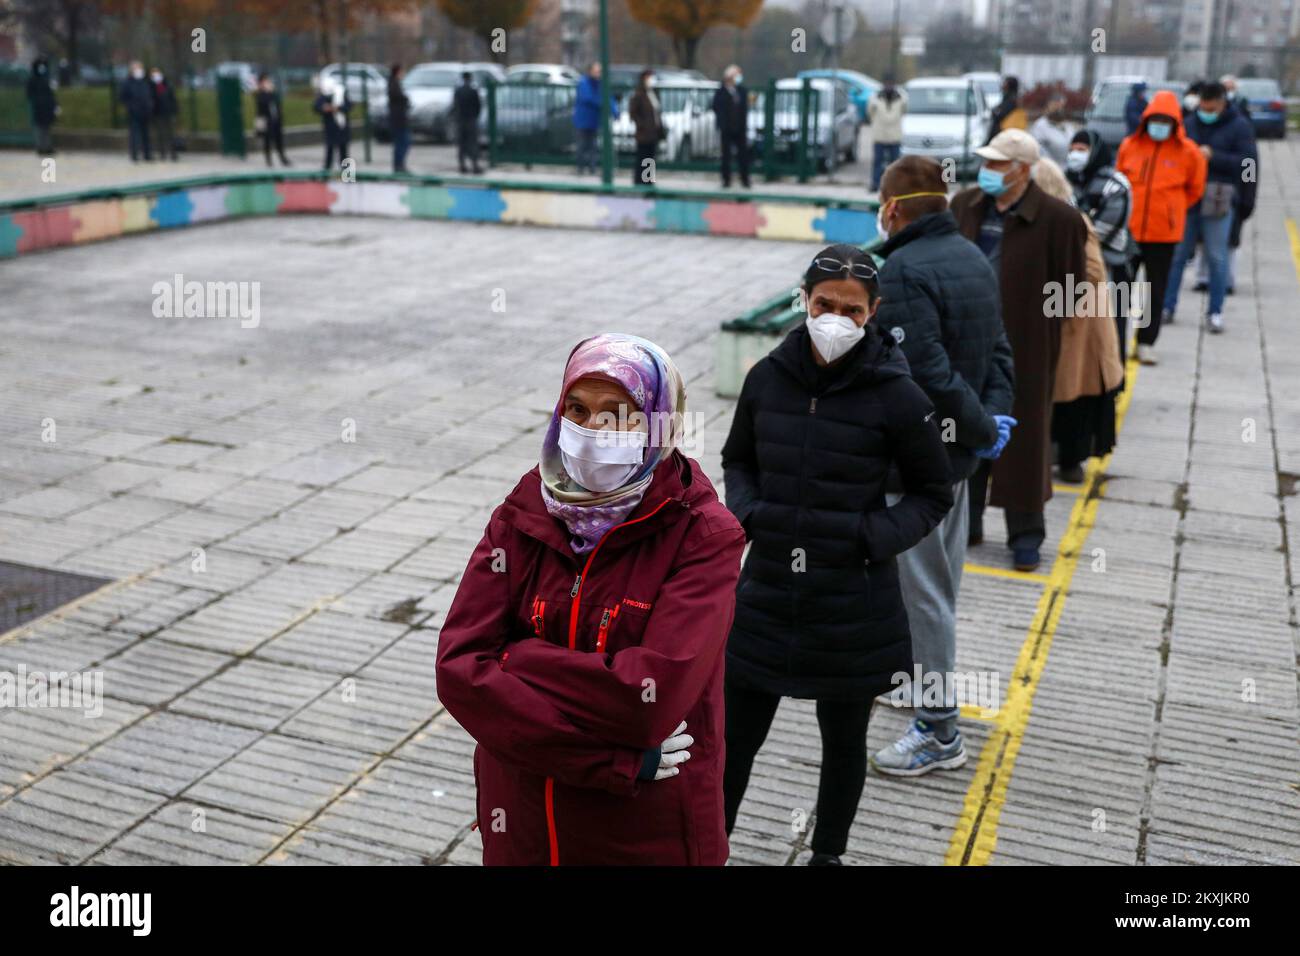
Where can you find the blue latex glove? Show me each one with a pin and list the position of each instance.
(1005, 423)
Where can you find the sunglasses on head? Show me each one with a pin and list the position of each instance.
(859, 270)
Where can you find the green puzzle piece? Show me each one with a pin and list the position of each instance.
(429, 202)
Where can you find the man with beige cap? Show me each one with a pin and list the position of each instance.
(1035, 244)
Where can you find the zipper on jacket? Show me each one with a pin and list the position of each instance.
(576, 594)
(605, 621)
(1151, 173)
(539, 618)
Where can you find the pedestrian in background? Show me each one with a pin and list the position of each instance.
(643, 108)
(1105, 195)
(165, 109)
(821, 422)
(586, 117)
(269, 119)
(731, 114)
(885, 114)
(1051, 131)
(1167, 174)
(1089, 373)
(1008, 114)
(334, 105)
(1226, 140)
(1035, 244)
(137, 99)
(1134, 105)
(940, 301)
(44, 105)
(466, 106)
(399, 119)
(609, 569)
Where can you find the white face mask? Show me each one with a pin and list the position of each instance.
(1076, 160)
(600, 459)
(880, 223)
(833, 335)
(1191, 101)
(156, 77)
(138, 74)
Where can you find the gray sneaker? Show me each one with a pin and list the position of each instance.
(919, 751)
(1215, 323)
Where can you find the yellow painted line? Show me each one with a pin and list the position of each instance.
(1294, 233)
(992, 572)
(974, 836)
(1061, 489)
(971, 712)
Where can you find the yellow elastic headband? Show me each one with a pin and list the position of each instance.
(914, 196)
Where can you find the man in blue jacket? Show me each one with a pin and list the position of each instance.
(1134, 106)
(586, 117)
(1227, 139)
(940, 300)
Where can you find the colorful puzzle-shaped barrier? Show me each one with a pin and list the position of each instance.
(71, 223)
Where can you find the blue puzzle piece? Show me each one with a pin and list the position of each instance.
(172, 209)
(10, 233)
(847, 225)
(680, 215)
(477, 205)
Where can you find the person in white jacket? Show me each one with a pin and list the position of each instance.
(885, 113)
(1053, 132)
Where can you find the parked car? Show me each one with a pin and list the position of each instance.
(947, 119)
(542, 73)
(536, 117)
(365, 81)
(860, 86)
(687, 113)
(832, 126)
(1105, 112)
(623, 76)
(1267, 108)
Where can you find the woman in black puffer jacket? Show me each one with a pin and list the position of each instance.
(819, 614)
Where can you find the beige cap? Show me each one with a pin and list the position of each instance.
(1012, 144)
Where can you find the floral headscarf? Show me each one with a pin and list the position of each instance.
(645, 372)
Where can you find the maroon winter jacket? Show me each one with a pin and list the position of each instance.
(566, 669)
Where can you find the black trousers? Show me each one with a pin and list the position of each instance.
(1158, 257)
(467, 145)
(1025, 529)
(844, 759)
(735, 143)
(344, 150)
(273, 136)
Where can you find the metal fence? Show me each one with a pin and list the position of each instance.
(789, 131)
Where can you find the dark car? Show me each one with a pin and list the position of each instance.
(1267, 108)
(1105, 113)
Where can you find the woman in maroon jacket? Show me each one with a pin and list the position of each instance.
(584, 648)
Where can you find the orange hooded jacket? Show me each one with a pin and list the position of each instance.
(1168, 177)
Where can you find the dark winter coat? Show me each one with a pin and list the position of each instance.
(571, 671)
(731, 113)
(269, 107)
(334, 133)
(1044, 247)
(164, 99)
(40, 95)
(399, 105)
(136, 95)
(1232, 141)
(466, 104)
(649, 125)
(940, 300)
(818, 610)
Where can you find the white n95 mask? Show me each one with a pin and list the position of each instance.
(833, 335)
(600, 459)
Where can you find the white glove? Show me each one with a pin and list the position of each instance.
(673, 752)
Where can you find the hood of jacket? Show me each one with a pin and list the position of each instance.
(1166, 104)
(931, 224)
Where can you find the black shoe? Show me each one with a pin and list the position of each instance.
(1231, 290)
(975, 537)
(285, 160)
(1200, 287)
(1072, 475)
(825, 859)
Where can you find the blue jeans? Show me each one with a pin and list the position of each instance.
(882, 154)
(1213, 234)
(401, 146)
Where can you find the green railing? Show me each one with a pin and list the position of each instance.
(788, 133)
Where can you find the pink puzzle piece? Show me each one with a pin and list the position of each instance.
(45, 228)
(305, 197)
(733, 218)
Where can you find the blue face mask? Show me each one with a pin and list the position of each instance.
(1159, 131)
(992, 182)
(1207, 118)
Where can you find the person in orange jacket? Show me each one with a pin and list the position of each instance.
(1167, 173)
